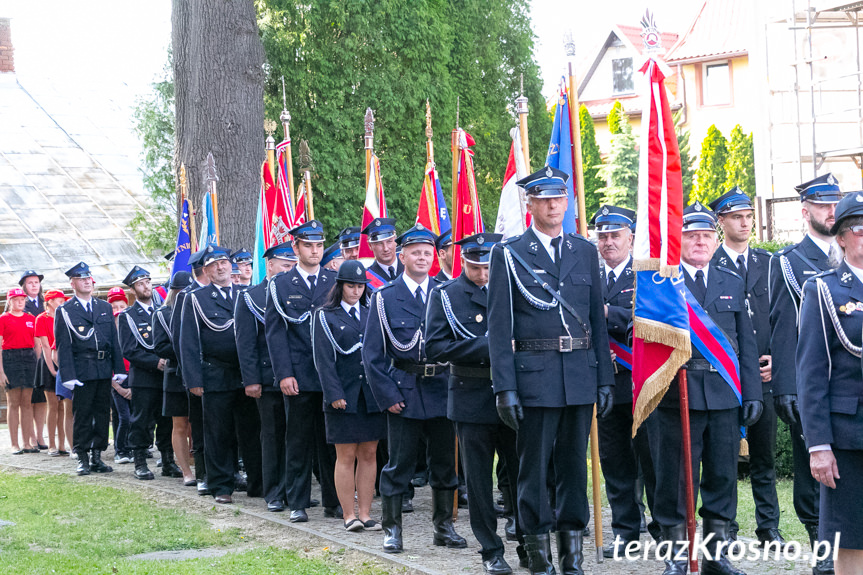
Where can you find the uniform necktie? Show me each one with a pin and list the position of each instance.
(354, 314)
(227, 292)
(484, 289)
(392, 271)
(700, 288)
(611, 280)
(555, 243)
(312, 280)
(87, 307)
(418, 295)
(741, 266)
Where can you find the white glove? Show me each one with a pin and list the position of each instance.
(120, 378)
(70, 385)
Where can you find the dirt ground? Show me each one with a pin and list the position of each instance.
(326, 537)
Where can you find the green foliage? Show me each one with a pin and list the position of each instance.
(338, 58)
(615, 125)
(621, 169)
(686, 160)
(740, 166)
(784, 451)
(710, 176)
(771, 246)
(156, 229)
(591, 161)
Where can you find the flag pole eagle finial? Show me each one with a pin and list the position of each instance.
(306, 164)
(650, 34)
(429, 132)
(569, 44)
(370, 122)
(210, 174)
(183, 180)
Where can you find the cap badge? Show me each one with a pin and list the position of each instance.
(697, 207)
(314, 224)
(359, 272)
(859, 198)
(480, 240)
(548, 172)
(605, 211)
(209, 249)
(831, 180)
(420, 227)
(377, 222)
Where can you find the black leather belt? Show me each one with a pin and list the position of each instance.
(219, 363)
(470, 371)
(562, 344)
(698, 365)
(421, 369)
(94, 354)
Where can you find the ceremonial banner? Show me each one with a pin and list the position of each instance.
(284, 190)
(300, 210)
(661, 339)
(184, 242)
(512, 216)
(468, 216)
(560, 157)
(375, 206)
(209, 232)
(432, 212)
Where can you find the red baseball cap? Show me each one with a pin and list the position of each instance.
(116, 294)
(15, 292)
(54, 294)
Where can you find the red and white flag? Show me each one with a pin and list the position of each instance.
(276, 219)
(512, 216)
(300, 209)
(467, 216)
(375, 206)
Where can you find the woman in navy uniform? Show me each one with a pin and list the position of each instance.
(354, 423)
(175, 398)
(830, 385)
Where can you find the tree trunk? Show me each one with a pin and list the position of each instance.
(219, 87)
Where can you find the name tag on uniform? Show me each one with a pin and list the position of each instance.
(539, 271)
(295, 296)
(726, 297)
(809, 272)
(627, 290)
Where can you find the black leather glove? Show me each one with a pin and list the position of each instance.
(604, 400)
(786, 408)
(752, 411)
(509, 408)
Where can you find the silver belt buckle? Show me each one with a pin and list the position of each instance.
(428, 370)
(564, 344)
(100, 355)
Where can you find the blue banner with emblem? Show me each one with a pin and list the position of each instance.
(560, 157)
(184, 243)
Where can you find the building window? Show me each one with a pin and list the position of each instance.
(622, 72)
(716, 84)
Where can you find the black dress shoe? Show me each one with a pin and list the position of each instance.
(224, 499)
(299, 516)
(509, 529)
(462, 500)
(616, 549)
(333, 511)
(203, 488)
(314, 503)
(772, 536)
(407, 505)
(240, 483)
(276, 506)
(496, 566)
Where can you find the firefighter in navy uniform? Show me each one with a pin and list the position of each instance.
(789, 270)
(550, 364)
(735, 214)
(457, 332)
(243, 260)
(146, 375)
(443, 246)
(381, 234)
(211, 370)
(620, 454)
(413, 391)
(89, 356)
(349, 242)
(715, 413)
(258, 378)
(830, 384)
(292, 299)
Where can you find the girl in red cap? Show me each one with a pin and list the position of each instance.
(18, 368)
(59, 412)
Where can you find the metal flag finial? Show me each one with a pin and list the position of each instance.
(210, 174)
(429, 133)
(569, 43)
(370, 122)
(270, 127)
(183, 179)
(521, 101)
(650, 34)
(285, 117)
(306, 157)
(457, 110)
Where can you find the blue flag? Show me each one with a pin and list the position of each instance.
(560, 157)
(208, 224)
(184, 243)
(259, 266)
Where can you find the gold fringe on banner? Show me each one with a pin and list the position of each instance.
(744, 447)
(655, 264)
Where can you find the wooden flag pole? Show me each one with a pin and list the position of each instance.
(454, 146)
(307, 167)
(285, 117)
(687, 468)
(521, 108)
(193, 240)
(369, 142)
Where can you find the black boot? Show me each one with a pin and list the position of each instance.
(83, 467)
(679, 543)
(823, 566)
(569, 552)
(96, 463)
(141, 469)
(538, 549)
(523, 560)
(717, 547)
(391, 522)
(169, 466)
(201, 474)
(444, 532)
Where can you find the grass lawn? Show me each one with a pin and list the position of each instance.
(64, 526)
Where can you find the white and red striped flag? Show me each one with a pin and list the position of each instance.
(375, 206)
(512, 216)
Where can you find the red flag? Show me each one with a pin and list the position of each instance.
(432, 211)
(468, 217)
(300, 210)
(512, 216)
(375, 206)
(277, 221)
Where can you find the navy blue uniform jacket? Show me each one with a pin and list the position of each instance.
(547, 378)
(208, 357)
(342, 375)
(757, 293)
(79, 359)
(830, 377)
(143, 362)
(619, 302)
(290, 340)
(251, 337)
(471, 399)
(424, 397)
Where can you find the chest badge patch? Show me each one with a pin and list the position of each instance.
(478, 317)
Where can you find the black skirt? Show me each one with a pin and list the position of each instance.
(175, 404)
(20, 368)
(356, 427)
(841, 510)
(44, 379)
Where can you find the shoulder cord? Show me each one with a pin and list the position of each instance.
(200, 313)
(161, 316)
(72, 330)
(274, 296)
(326, 328)
(253, 307)
(532, 300)
(788, 272)
(827, 299)
(137, 334)
(457, 327)
(385, 324)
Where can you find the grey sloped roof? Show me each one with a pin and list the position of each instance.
(66, 194)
